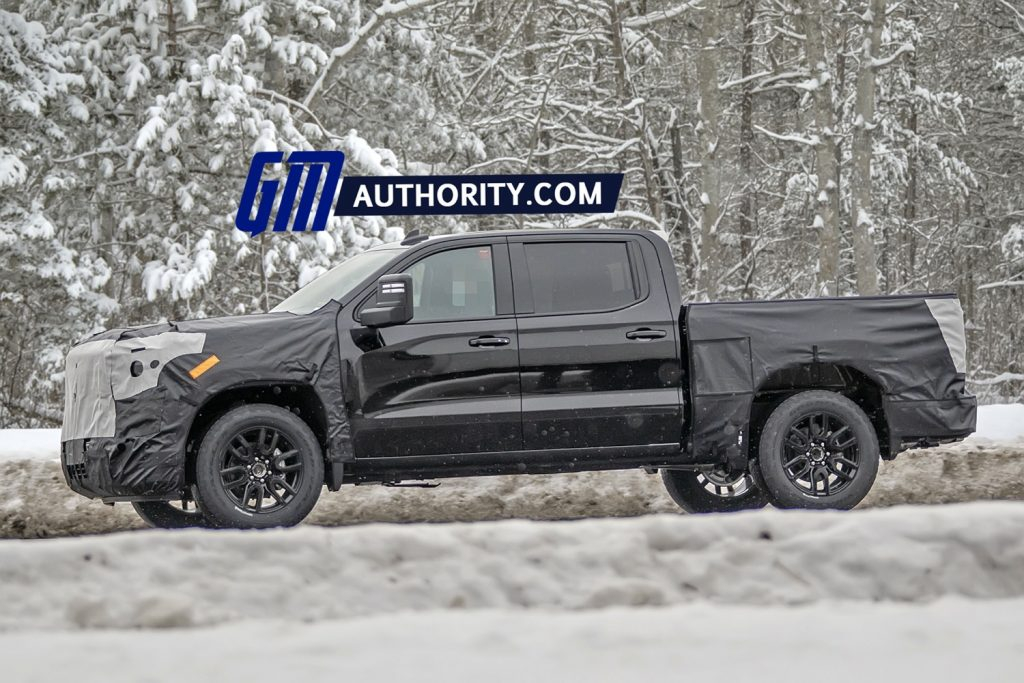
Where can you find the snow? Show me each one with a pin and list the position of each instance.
(930, 591)
(201, 578)
(29, 444)
(1002, 423)
(950, 640)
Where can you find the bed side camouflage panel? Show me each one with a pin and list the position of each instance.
(895, 341)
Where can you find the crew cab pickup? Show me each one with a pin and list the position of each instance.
(511, 352)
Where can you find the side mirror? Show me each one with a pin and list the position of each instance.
(394, 302)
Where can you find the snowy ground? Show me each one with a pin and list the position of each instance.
(950, 640)
(988, 466)
(895, 593)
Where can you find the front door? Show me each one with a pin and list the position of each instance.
(448, 380)
(598, 343)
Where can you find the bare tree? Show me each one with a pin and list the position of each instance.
(862, 223)
(820, 86)
(709, 110)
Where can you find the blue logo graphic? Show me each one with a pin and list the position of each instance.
(309, 164)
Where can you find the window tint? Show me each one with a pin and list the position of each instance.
(579, 276)
(453, 284)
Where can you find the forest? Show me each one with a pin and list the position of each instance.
(790, 148)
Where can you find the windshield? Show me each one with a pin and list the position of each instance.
(337, 282)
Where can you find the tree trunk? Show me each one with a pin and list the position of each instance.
(827, 219)
(862, 222)
(747, 200)
(711, 181)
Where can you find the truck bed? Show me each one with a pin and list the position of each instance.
(907, 352)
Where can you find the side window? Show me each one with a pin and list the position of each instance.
(453, 284)
(568, 277)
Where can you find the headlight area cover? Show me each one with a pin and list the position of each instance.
(98, 373)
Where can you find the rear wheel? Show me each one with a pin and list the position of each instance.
(818, 450)
(164, 514)
(713, 490)
(259, 466)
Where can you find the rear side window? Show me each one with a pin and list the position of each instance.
(573, 277)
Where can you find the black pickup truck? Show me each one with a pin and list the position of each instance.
(510, 352)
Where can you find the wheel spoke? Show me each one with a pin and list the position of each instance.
(247, 494)
(795, 460)
(233, 468)
(243, 457)
(846, 444)
(273, 442)
(231, 485)
(842, 474)
(259, 497)
(285, 485)
(274, 493)
(802, 439)
(833, 438)
(849, 463)
(803, 471)
(260, 439)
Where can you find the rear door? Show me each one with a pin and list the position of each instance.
(597, 343)
(447, 381)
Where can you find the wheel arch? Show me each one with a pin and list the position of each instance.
(301, 399)
(845, 380)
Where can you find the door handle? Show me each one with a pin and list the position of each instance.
(489, 341)
(646, 334)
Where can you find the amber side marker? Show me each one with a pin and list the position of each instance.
(203, 367)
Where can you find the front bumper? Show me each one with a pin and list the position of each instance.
(123, 469)
(928, 422)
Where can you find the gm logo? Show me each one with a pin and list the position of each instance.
(304, 169)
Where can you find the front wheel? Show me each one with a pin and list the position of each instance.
(713, 490)
(259, 466)
(818, 450)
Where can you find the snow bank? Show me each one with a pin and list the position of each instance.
(181, 579)
(950, 640)
(29, 444)
(1000, 423)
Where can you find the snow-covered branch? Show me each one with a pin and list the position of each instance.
(812, 140)
(661, 15)
(388, 10)
(886, 61)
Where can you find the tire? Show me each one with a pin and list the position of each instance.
(698, 491)
(259, 466)
(161, 514)
(818, 450)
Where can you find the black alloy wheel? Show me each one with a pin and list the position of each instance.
(713, 490)
(818, 450)
(258, 466)
(261, 469)
(820, 454)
